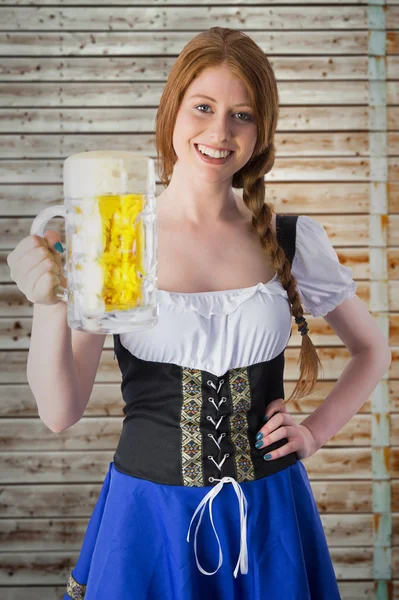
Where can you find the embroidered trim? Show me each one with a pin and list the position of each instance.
(74, 589)
(190, 427)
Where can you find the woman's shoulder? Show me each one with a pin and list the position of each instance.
(323, 282)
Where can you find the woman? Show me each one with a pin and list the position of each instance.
(200, 385)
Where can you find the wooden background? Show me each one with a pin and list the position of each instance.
(90, 76)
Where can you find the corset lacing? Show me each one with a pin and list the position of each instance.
(242, 501)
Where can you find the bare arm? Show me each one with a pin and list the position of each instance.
(371, 358)
(61, 366)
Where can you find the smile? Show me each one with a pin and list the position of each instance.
(210, 160)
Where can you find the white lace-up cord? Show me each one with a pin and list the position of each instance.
(242, 502)
(242, 562)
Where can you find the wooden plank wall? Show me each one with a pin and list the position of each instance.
(89, 76)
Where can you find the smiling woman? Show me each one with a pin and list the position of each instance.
(201, 189)
(198, 385)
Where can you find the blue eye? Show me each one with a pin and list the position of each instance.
(249, 117)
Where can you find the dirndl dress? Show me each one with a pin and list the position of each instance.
(189, 508)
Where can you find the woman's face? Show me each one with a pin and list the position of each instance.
(219, 123)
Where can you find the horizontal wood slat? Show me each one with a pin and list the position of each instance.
(301, 145)
(71, 466)
(15, 332)
(349, 590)
(171, 43)
(196, 17)
(342, 230)
(13, 365)
(106, 399)
(52, 568)
(162, 3)
(47, 534)
(145, 94)
(303, 119)
(321, 169)
(25, 199)
(77, 500)
(148, 68)
(102, 433)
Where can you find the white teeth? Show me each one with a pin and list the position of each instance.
(213, 153)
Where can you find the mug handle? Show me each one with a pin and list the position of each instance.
(37, 228)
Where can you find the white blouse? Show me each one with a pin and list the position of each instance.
(228, 329)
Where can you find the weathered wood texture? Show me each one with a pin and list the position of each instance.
(73, 79)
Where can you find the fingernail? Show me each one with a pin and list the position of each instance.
(58, 247)
(265, 418)
(267, 456)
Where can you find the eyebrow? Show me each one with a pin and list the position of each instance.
(213, 99)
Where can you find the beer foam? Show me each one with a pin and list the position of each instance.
(102, 172)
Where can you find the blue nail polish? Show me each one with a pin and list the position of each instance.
(265, 418)
(259, 444)
(267, 456)
(58, 247)
(259, 436)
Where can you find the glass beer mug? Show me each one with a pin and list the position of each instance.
(111, 241)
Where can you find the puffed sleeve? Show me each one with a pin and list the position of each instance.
(322, 281)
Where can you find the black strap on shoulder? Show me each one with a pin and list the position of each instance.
(286, 234)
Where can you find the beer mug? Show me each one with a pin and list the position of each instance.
(111, 241)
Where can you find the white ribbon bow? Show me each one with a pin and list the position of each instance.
(242, 502)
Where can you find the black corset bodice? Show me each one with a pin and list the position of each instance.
(185, 426)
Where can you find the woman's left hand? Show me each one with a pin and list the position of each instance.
(282, 425)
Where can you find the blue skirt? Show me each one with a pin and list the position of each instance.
(135, 546)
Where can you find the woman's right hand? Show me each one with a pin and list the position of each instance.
(36, 268)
